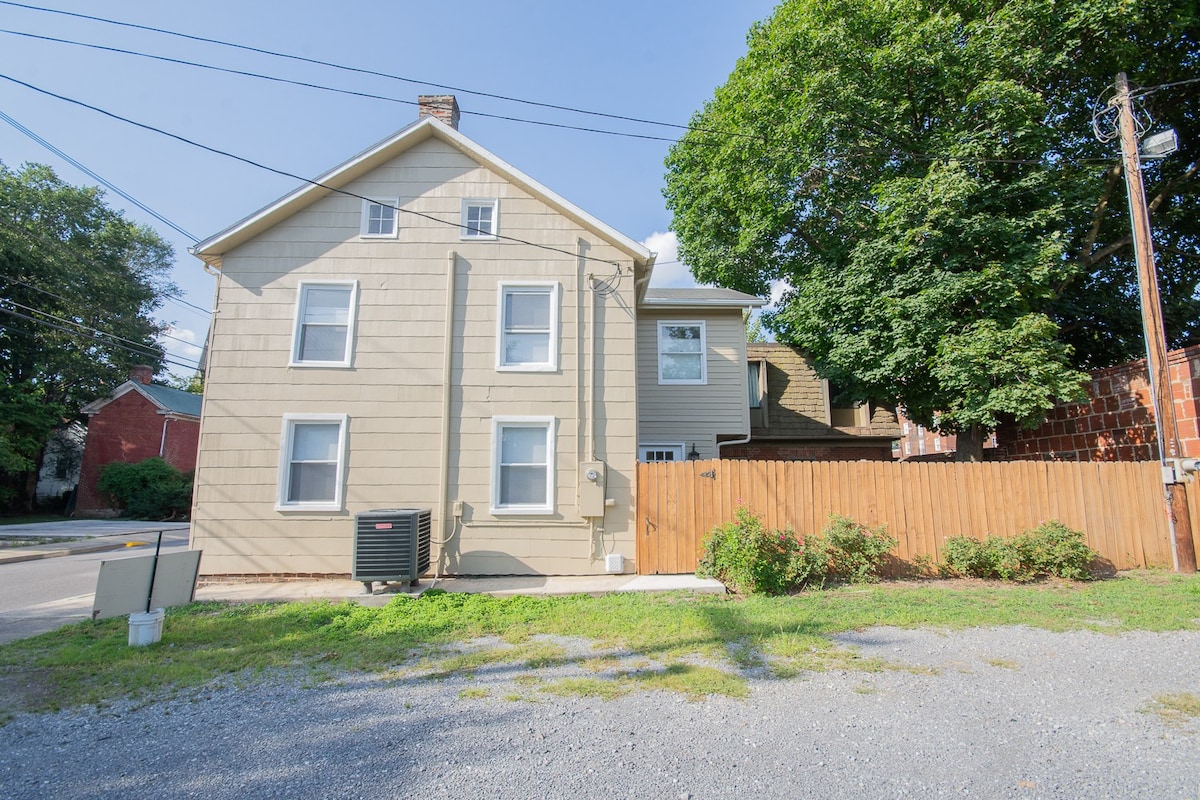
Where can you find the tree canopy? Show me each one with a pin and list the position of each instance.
(78, 285)
(926, 178)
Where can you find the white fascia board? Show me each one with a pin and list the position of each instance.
(701, 304)
(213, 247)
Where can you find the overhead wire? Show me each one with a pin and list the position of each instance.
(285, 173)
(47, 292)
(143, 349)
(346, 68)
(75, 163)
(334, 89)
(58, 243)
(82, 334)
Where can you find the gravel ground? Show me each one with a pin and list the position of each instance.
(995, 713)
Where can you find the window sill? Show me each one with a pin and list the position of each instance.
(530, 511)
(320, 364)
(527, 368)
(308, 507)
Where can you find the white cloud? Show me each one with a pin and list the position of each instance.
(668, 272)
(186, 351)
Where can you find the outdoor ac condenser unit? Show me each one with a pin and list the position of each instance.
(391, 544)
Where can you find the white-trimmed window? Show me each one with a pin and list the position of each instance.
(648, 453)
(527, 335)
(312, 462)
(523, 465)
(379, 218)
(480, 218)
(682, 352)
(324, 331)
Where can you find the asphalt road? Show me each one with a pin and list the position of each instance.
(44, 594)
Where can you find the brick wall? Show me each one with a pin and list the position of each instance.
(130, 429)
(1116, 423)
(816, 451)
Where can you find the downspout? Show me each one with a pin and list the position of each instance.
(745, 439)
(162, 444)
(447, 363)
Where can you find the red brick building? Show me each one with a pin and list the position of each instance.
(137, 421)
(1116, 422)
(918, 443)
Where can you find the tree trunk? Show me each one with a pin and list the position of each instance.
(970, 444)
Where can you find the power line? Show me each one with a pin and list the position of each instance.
(143, 348)
(83, 335)
(359, 70)
(96, 177)
(336, 90)
(20, 282)
(287, 174)
(58, 243)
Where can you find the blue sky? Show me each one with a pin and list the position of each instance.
(655, 59)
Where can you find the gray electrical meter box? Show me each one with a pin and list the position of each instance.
(591, 489)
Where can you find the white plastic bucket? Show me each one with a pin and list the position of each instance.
(145, 627)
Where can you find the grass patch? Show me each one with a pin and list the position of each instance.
(33, 541)
(31, 519)
(91, 663)
(1175, 709)
(474, 693)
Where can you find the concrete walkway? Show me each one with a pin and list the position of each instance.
(90, 536)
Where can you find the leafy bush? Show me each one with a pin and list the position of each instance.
(748, 558)
(1049, 549)
(149, 489)
(857, 553)
(810, 564)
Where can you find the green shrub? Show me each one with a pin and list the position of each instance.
(1051, 549)
(748, 558)
(149, 489)
(1054, 549)
(810, 564)
(857, 554)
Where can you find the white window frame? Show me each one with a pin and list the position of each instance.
(298, 325)
(683, 323)
(502, 292)
(645, 449)
(365, 223)
(286, 443)
(498, 426)
(466, 231)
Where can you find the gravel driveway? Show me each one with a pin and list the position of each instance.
(995, 713)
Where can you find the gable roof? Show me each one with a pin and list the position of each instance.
(169, 401)
(211, 249)
(700, 297)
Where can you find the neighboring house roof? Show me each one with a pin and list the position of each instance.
(169, 401)
(699, 297)
(798, 403)
(211, 249)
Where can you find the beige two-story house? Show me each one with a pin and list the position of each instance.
(425, 326)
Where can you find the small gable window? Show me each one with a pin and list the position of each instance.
(480, 219)
(379, 218)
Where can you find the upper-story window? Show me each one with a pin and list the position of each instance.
(379, 218)
(681, 352)
(480, 219)
(324, 324)
(527, 339)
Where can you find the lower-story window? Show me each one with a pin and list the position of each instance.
(312, 462)
(522, 465)
(660, 452)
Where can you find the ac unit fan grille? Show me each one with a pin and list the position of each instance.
(391, 545)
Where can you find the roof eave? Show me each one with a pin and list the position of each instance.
(213, 248)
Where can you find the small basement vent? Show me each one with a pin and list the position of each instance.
(391, 544)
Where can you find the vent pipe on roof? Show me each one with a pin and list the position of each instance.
(442, 107)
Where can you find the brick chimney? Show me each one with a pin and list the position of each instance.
(141, 374)
(442, 107)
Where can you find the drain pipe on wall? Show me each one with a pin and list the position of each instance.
(447, 365)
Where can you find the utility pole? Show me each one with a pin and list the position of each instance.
(1156, 345)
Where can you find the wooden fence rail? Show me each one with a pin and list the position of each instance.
(1118, 505)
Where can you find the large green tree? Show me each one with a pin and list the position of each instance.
(926, 178)
(78, 286)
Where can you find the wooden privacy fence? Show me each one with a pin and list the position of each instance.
(1119, 506)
